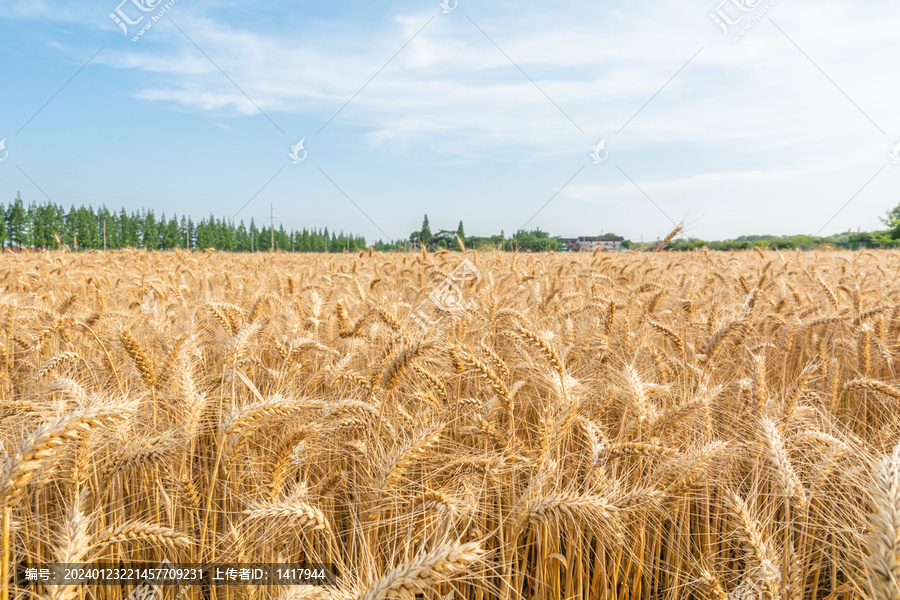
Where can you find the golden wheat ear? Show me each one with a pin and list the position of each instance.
(47, 441)
(425, 572)
(883, 543)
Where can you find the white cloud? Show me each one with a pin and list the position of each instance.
(753, 122)
(450, 79)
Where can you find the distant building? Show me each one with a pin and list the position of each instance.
(590, 243)
(415, 244)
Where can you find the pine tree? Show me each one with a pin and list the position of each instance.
(242, 238)
(91, 228)
(305, 242)
(128, 230)
(282, 241)
(228, 237)
(254, 235)
(184, 233)
(38, 222)
(425, 233)
(191, 234)
(16, 225)
(149, 231)
(171, 236)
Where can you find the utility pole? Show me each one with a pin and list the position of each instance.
(251, 241)
(272, 220)
(187, 237)
(104, 235)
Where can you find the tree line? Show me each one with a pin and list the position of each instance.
(51, 226)
(522, 241)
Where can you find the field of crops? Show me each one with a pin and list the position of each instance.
(469, 426)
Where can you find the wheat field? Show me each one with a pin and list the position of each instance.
(609, 426)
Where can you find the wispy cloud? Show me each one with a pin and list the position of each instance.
(755, 115)
(450, 81)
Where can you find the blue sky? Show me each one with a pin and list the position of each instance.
(486, 113)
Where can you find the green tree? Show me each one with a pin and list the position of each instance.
(93, 235)
(112, 227)
(129, 230)
(254, 236)
(228, 238)
(72, 230)
(534, 241)
(425, 233)
(282, 241)
(149, 231)
(42, 225)
(242, 238)
(206, 237)
(16, 224)
(860, 240)
(305, 241)
(892, 220)
(170, 235)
